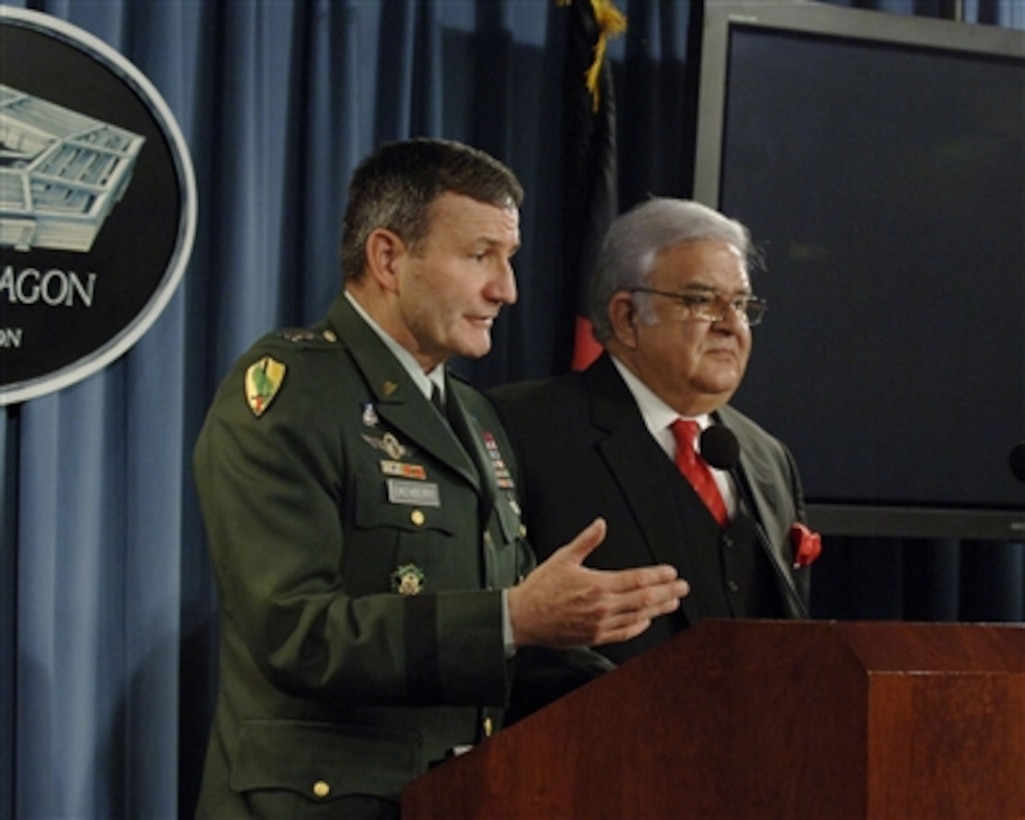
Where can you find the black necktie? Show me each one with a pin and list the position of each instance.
(437, 400)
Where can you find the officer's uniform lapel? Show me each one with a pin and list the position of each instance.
(397, 400)
(469, 433)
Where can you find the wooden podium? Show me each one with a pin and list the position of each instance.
(749, 719)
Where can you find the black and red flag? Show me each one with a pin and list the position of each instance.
(591, 200)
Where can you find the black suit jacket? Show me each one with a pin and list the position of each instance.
(584, 451)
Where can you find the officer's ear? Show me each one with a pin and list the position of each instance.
(385, 251)
(623, 318)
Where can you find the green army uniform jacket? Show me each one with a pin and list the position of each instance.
(358, 549)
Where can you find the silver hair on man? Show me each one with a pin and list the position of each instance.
(635, 238)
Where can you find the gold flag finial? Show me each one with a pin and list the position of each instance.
(611, 23)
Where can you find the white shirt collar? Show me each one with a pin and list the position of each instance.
(656, 413)
(422, 380)
(658, 416)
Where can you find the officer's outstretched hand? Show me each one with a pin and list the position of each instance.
(563, 603)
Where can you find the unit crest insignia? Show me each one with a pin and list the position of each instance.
(262, 383)
(408, 579)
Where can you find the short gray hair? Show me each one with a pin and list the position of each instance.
(635, 238)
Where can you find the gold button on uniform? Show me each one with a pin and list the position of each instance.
(417, 517)
(321, 789)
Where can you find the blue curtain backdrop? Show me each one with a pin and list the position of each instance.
(107, 634)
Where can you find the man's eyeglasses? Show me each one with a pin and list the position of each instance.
(712, 306)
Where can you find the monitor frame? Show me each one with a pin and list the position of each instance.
(801, 17)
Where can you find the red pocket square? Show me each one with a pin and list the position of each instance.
(807, 545)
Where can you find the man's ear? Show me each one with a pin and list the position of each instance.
(623, 317)
(384, 249)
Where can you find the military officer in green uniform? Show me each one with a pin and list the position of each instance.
(378, 598)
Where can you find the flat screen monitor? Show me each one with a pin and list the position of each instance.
(879, 161)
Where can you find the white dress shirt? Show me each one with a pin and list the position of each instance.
(658, 416)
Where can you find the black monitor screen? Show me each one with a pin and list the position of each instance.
(883, 178)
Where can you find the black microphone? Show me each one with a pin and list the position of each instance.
(1017, 461)
(720, 448)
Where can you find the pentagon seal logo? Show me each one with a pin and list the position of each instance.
(97, 208)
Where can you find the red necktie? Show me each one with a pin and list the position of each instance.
(696, 470)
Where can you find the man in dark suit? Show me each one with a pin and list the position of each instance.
(673, 309)
(378, 600)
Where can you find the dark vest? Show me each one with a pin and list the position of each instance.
(729, 574)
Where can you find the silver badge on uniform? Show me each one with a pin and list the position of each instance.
(389, 444)
(416, 493)
(370, 418)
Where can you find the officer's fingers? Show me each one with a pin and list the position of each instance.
(584, 543)
(634, 619)
(643, 578)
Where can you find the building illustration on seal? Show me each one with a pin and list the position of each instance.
(61, 173)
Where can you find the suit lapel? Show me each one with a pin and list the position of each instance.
(397, 400)
(759, 475)
(630, 452)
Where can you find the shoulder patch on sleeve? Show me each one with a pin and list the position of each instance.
(262, 383)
